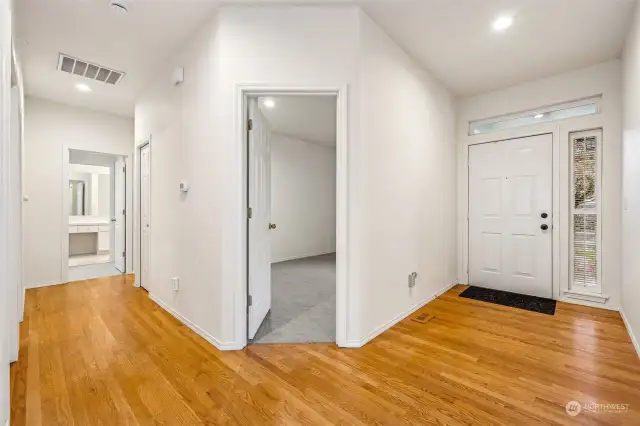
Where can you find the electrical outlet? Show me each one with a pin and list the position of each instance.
(412, 279)
(176, 283)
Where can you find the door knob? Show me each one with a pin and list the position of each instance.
(272, 226)
(544, 215)
(544, 226)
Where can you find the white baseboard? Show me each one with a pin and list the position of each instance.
(630, 331)
(223, 346)
(574, 301)
(286, 259)
(375, 333)
(43, 284)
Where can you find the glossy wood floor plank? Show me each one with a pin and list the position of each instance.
(99, 352)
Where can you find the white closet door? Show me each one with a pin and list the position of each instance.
(145, 215)
(510, 215)
(260, 205)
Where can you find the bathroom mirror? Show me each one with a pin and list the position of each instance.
(77, 197)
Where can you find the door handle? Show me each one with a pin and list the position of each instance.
(544, 226)
(272, 226)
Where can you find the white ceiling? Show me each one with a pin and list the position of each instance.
(452, 38)
(310, 118)
(88, 29)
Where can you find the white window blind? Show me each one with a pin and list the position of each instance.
(586, 211)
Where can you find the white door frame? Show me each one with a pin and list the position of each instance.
(560, 130)
(243, 92)
(65, 208)
(137, 217)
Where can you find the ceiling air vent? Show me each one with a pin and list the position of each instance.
(86, 69)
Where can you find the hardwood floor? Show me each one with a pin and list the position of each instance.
(100, 352)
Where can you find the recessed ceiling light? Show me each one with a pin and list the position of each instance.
(269, 103)
(83, 87)
(538, 116)
(502, 23)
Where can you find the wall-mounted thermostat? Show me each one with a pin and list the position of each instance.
(184, 186)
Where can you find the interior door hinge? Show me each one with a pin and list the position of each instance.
(124, 169)
(123, 254)
(250, 213)
(250, 300)
(124, 212)
(250, 124)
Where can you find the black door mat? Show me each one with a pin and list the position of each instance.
(514, 300)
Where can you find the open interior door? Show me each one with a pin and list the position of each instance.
(119, 218)
(259, 298)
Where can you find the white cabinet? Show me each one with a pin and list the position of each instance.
(104, 241)
(89, 237)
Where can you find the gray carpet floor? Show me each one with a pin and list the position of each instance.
(303, 302)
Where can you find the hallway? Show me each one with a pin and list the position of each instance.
(100, 352)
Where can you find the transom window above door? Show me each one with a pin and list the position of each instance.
(557, 112)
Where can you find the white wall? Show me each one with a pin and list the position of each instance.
(192, 130)
(5, 138)
(50, 130)
(400, 176)
(104, 195)
(303, 198)
(404, 184)
(631, 181)
(602, 79)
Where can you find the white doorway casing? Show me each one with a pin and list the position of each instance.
(243, 95)
(601, 79)
(145, 215)
(119, 215)
(120, 183)
(510, 215)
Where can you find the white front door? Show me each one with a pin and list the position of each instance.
(510, 215)
(260, 205)
(119, 218)
(145, 214)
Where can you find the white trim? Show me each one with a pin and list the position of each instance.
(634, 341)
(137, 231)
(65, 208)
(587, 296)
(597, 100)
(607, 306)
(579, 289)
(561, 191)
(239, 292)
(304, 256)
(223, 346)
(384, 327)
(44, 284)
